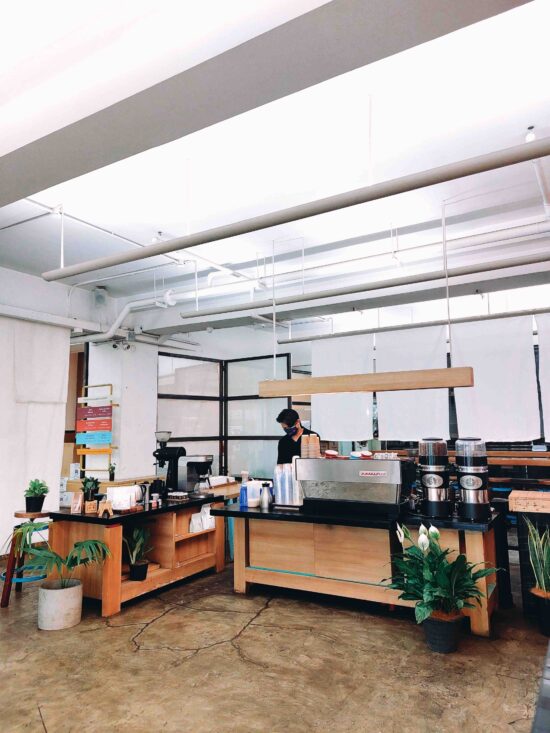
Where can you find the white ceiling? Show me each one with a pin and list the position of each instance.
(473, 91)
(73, 58)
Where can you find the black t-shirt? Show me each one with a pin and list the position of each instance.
(289, 447)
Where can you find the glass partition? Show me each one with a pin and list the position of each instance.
(190, 404)
(251, 429)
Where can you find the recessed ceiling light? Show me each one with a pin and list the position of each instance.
(530, 137)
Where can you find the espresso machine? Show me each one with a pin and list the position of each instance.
(472, 473)
(362, 487)
(434, 474)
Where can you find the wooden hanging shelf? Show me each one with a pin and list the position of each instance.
(379, 382)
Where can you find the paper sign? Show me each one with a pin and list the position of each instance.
(104, 423)
(76, 502)
(100, 411)
(99, 438)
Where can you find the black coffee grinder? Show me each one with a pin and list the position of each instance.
(472, 472)
(433, 467)
(170, 456)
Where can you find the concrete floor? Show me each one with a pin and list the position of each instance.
(199, 658)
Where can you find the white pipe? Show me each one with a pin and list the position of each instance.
(128, 308)
(383, 285)
(521, 232)
(409, 326)
(411, 182)
(543, 186)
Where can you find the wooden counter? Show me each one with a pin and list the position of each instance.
(176, 553)
(349, 556)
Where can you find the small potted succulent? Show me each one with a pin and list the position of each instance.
(90, 487)
(136, 544)
(112, 468)
(539, 555)
(35, 495)
(59, 600)
(440, 587)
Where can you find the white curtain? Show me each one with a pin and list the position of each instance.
(343, 416)
(414, 414)
(543, 328)
(34, 368)
(503, 404)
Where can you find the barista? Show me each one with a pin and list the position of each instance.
(290, 444)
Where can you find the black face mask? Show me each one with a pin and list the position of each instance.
(291, 431)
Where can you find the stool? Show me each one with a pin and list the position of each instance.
(16, 563)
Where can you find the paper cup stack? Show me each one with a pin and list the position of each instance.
(310, 446)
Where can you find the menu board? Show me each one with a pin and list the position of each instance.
(98, 438)
(83, 413)
(104, 423)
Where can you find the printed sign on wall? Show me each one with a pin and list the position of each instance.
(100, 411)
(104, 423)
(99, 438)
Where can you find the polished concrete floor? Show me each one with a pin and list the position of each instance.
(198, 658)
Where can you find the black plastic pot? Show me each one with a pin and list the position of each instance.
(543, 612)
(442, 636)
(138, 571)
(34, 503)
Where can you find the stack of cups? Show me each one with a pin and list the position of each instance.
(310, 446)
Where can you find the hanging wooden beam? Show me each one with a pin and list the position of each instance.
(380, 382)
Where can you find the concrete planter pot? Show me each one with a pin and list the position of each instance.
(59, 608)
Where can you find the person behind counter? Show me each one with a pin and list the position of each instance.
(290, 444)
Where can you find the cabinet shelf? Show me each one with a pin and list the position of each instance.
(189, 535)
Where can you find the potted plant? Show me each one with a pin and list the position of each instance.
(90, 487)
(35, 495)
(112, 468)
(59, 600)
(136, 544)
(440, 587)
(539, 555)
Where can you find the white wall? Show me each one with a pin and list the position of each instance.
(33, 387)
(28, 291)
(133, 375)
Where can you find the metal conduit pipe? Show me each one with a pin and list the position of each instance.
(395, 282)
(411, 182)
(522, 232)
(409, 326)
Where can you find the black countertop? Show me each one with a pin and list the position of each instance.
(352, 520)
(65, 514)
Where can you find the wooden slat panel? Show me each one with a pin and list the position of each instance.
(380, 382)
(282, 546)
(352, 553)
(529, 501)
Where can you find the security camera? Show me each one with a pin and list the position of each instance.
(115, 345)
(126, 346)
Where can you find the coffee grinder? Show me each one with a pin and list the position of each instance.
(473, 479)
(170, 456)
(433, 466)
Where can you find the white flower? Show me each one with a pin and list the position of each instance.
(400, 534)
(433, 532)
(422, 530)
(423, 542)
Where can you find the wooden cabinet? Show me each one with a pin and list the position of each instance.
(176, 554)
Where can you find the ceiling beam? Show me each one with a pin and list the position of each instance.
(331, 40)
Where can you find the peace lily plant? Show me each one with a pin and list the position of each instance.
(424, 573)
